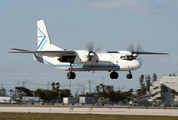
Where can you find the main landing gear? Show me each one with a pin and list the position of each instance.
(114, 75)
(129, 76)
(71, 75)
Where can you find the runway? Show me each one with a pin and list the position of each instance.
(114, 111)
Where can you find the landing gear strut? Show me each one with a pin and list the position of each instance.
(71, 75)
(129, 76)
(114, 75)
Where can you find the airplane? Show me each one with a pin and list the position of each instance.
(84, 60)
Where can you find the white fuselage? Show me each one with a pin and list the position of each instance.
(102, 61)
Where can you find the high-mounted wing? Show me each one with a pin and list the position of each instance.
(139, 51)
(46, 53)
(151, 53)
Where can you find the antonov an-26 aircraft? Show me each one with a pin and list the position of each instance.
(83, 60)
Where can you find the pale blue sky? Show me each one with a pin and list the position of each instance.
(112, 25)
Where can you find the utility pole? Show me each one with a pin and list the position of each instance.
(89, 81)
(14, 81)
(103, 80)
(33, 93)
(59, 95)
(69, 84)
(124, 87)
(48, 85)
(78, 89)
(24, 82)
(84, 89)
(81, 88)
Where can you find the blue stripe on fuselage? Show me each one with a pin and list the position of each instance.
(78, 65)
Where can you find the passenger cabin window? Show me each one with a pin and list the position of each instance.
(127, 57)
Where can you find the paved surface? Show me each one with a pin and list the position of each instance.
(116, 111)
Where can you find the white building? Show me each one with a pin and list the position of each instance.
(161, 90)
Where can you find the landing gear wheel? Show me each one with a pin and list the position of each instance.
(129, 76)
(114, 75)
(71, 75)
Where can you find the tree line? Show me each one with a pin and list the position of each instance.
(113, 96)
(47, 95)
(145, 83)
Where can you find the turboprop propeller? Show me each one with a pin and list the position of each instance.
(91, 53)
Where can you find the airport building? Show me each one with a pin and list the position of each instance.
(165, 90)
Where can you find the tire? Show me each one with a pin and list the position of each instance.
(112, 75)
(73, 75)
(69, 75)
(116, 75)
(129, 76)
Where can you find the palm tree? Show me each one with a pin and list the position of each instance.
(108, 89)
(11, 91)
(177, 93)
(173, 93)
(53, 85)
(130, 93)
(139, 91)
(57, 85)
(101, 86)
(164, 90)
(97, 88)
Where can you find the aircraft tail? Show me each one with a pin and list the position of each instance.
(44, 42)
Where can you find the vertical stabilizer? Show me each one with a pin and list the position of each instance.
(44, 42)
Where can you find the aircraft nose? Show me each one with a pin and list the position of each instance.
(136, 64)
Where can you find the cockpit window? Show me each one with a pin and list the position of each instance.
(127, 57)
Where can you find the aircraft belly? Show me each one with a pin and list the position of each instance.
(77, 67)
(96, 68)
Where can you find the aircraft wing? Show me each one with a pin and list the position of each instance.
(46, 53)
(151, 53)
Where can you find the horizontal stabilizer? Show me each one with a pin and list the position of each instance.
(18, 49)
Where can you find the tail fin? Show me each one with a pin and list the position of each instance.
(44, 42)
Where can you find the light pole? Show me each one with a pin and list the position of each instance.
(15, 81)
(103, 80)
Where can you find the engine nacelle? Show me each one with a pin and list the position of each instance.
(91, 54)
(135, 55)
(81, 57)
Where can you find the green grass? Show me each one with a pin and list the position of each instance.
(56, 116)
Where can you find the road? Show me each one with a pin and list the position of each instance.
(114, 111)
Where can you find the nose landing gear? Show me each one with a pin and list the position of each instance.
(114, 75)
(129, 76)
